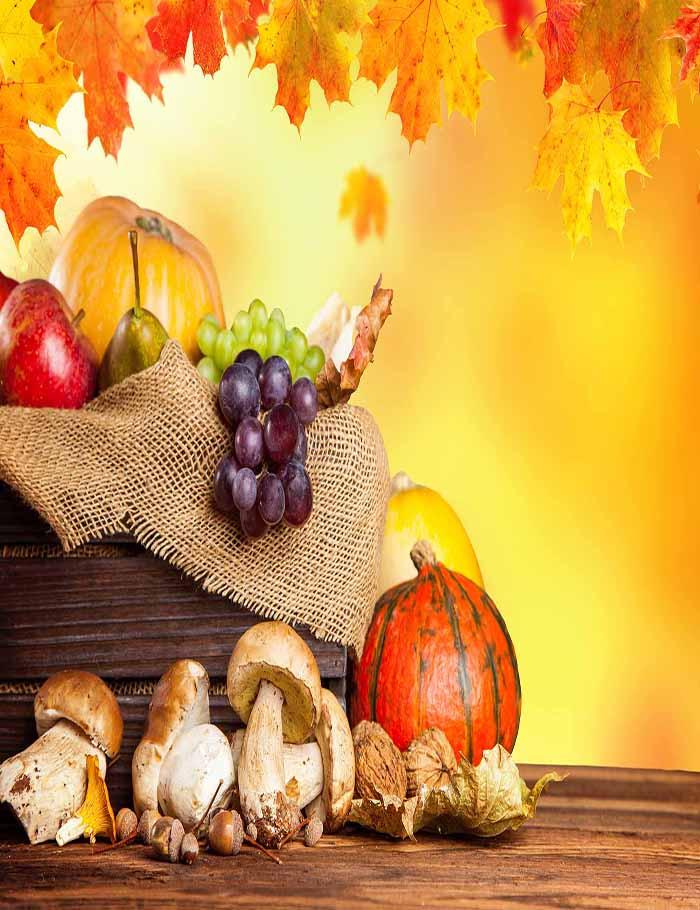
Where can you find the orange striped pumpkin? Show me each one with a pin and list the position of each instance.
(438, 654)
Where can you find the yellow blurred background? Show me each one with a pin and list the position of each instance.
(551, 398)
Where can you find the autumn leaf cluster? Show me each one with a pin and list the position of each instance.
(612, 71)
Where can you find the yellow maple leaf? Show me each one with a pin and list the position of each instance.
(20, 35)
(365, 200)
(591, 150)
(309, 39)
(35, 93)
(432, 43)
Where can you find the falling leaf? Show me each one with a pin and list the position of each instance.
(591, 150)
(687, 27)
(175, 20)
(364, 200)
(306, 41)
(108, 43)
(622, 38)
(515, 16)
(484, 800)
(20, 36)
(557, 39)
(335, 386)
(35, 93)
(431, 45)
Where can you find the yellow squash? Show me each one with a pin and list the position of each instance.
(94, 272)
(419, 513)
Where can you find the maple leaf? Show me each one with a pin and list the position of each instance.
(170, 29)
(20, 36)
(687, 27)
(335, 386)
(557, 40)
(591, 150)
(621, 37)
(305, 40)
(365, 201)
(432, 43)
(108, 43)
(515, 15)
(35, 92)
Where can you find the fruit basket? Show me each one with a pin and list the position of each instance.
(114, 609)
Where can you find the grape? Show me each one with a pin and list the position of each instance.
(242, 326)
(275, 337)
(258, 313)
(314, 360)
(239, 394)
(296, 345)
(258, 341)
(207, 368)
(251, 359)
(252, 523)
(224, 478)
(275, 382)
(210, 317)
(277, 316)
(301, 372)
(303, 399)
(280, 429)
(244, 489)
(225, 351)
(301, 447)
(271, 499)
(207, 334)
(297, 494)
(248, 443)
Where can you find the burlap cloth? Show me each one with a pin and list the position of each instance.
(140, 460)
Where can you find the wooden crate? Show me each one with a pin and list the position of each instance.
(115, 610)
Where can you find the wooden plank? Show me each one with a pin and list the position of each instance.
(120, 618)
(579, 856)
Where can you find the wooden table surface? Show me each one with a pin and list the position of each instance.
(605, 838)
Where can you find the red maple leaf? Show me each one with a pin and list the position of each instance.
(170, 29)
(515, 15)
(687, 27)
(107, 42)
(557, 39)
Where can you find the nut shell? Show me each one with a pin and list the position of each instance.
(189, 849)
(313, 831)
(166, 838)
(379, 765)
(430, 761)
(226, 833)
(146, 825)
(126, 822)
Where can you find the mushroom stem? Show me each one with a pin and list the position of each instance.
(261, 778)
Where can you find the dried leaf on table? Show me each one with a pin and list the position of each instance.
(484, 800)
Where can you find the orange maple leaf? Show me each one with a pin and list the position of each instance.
(36, 92)
(305, 40)
(364, 200)
(557, 40)
(515, 15)
(687, 27)
(176, 20)
(431, 44)
(108, 43)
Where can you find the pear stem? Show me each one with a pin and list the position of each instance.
(78, 318)
(134, 241)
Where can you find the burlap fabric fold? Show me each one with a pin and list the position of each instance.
(140, 459)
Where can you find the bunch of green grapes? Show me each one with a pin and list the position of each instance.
(266, 334)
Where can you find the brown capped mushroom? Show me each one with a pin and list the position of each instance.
(274, 686)
(335, 740)
(76, 715)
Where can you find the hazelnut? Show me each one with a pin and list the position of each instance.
(252, 831)
(189, 849)
(226, 833)
(313, 832)
(379, 765)
(166, 838)
(145, 828)
(127, 823)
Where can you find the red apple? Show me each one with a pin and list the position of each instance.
(7, 285)
(45, 361)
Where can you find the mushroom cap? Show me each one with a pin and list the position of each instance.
(180, 701)
(275, 652)
(334, 738)
(86, 701)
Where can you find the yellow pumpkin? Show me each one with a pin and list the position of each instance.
(94, 272)
(419, 513)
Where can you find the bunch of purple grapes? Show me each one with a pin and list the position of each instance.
(265, 480)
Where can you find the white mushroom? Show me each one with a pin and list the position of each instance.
(197, 776)
(303, 769)
(76, 716)
(274, 686)
(334, 737)
(180, 701)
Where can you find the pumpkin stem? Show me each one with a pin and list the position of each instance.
(422, 554)
(401, 482)
(134, 241)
